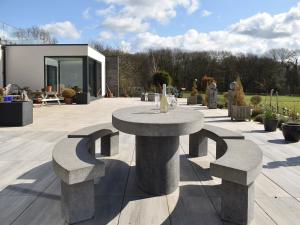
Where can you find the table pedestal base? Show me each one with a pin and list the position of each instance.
(157, 164)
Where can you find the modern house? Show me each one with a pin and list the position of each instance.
(59, 65)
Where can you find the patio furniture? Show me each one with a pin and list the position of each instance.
(108, 134)
(18, 113)
(198, 142)
(50, 97)
(238, 169)
(77, 169)
(157, 143)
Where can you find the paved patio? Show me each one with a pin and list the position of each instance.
(29, 189)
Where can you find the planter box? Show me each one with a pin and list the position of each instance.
(192, 100)
(82, 98)
(240, 113)
(15, 114)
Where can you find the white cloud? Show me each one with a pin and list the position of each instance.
(64, 29)
(141, 11)
(206, 13)
(86, 13)
(268, 26)
(105, 35)
(255, 34)
(126, 24)
(107, 11)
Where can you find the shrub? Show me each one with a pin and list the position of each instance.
(220, 106)
(194, 88)
(281, 120)
(255, 100)
(161, 77)
(239, 95)
(256, 111)
(259, 118)
(68, 93)
(269, 113)
(1, 92)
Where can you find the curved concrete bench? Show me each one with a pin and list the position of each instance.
(108, 134)
(238, 168)
(198, 142)
(77, 169)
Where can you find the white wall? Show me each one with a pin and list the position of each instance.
(1, 69)
(101, 58)
(25, 64)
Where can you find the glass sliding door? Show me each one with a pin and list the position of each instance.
(51, 73)
(64, 72)
(94, 77)
(71, 73)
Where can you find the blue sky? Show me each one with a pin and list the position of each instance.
(134, 25)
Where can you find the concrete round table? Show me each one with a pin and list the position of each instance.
(157, 143)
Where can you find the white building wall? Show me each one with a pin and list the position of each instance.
(101, 58)
(1, 68)
(25, 64)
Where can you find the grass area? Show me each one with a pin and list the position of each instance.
(291, 102)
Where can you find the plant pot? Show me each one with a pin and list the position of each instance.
(291, 132)
(68, 101)
(192, 100)
(270, 124)
(49, 88)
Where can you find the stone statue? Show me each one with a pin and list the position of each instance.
(230, 97)
(212, 95)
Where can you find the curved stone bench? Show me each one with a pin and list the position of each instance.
(77, 169)
(238, 168)
(108, 134)
(198, 142)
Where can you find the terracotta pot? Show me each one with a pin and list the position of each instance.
(49, 88)
(68, 100)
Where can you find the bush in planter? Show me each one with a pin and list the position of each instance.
(270, 119)
(240, 111)
(192, 100)
(291, 129)
(68, 94)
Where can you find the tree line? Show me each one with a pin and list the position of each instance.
(276, 69)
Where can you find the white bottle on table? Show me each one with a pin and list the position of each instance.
(164, 105)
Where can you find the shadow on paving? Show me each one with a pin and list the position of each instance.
(113, 193)
(293, 161)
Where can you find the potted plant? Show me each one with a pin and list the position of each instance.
(192, 100)
(68, 94)
(239, 110)
(291, 129)
(49, 88)
(270, 119)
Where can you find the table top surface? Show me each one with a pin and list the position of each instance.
(148, 121)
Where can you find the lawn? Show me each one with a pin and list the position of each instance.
(291, 102)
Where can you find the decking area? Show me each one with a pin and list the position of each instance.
(30, 191)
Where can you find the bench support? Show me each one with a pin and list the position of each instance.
(77, 201)
(110, 144)
(198, 145)
(237, 203)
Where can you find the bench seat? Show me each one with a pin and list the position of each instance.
(238, 169)
(198, 142)
(77, 169)
(106, 131)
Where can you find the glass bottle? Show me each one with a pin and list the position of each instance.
(164, 105)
